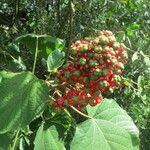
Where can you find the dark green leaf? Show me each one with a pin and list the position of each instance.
(48, 139)
(6, 140)
(46, 43)
(22, 97)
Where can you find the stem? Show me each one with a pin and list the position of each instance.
(67, 112)
(70, 29)
(48, 77)
(15, 140)
(130, 80)
(79, 112)
(6, 53)
(16, 7)
(58, 11)
(133, 51)
(35, 57)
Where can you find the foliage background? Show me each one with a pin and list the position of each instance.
(71, 20)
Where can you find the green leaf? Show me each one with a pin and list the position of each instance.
(130, 32)
(48, 139)
(121, 36)
(55, 60)
(131, 28)
(46, 43)
(129, 41)
(146, 59)
(134, 26)
(22, 98)
(131, 5)
(134, 56)
(110, 129)
(6, 140)
(19, 63)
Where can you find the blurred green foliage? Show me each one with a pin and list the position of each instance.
(74, 19)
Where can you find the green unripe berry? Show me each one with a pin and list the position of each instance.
(74, 52)
(65, 102)
(101, 61)
(114, 61)
(117, 71)
(96, 40)
(82, 61)
(112, 39)
(65, 66)
(76, 98)
(116, 45)
(91, 101)
(106, 48)
(109, 56)
(111, 90)
(111, 50)
(87, 38)
(98, 49)
(122, 45)
(103, 40)
(121, 65)
(100, 32)
(90, 55)
(83, 47)
(93, 78)
(96, 55)
(124, 55)
(103, 84)
(87, 90)
(104, 72)
(82, 102)
(117, 78)
(107, 32)
(66, 75)
(85, 79)
(77, 73)
(92, 63)
(97, 93)
(98, 72)
(78, 42)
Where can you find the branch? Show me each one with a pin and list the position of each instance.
(79, 112)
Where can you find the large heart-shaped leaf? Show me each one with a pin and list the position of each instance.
(46, 43)
(109, 110)
(22, 97)
(55, 60)
(109, 129)
(48, 139)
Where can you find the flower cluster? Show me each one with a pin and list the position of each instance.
(94, 71)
